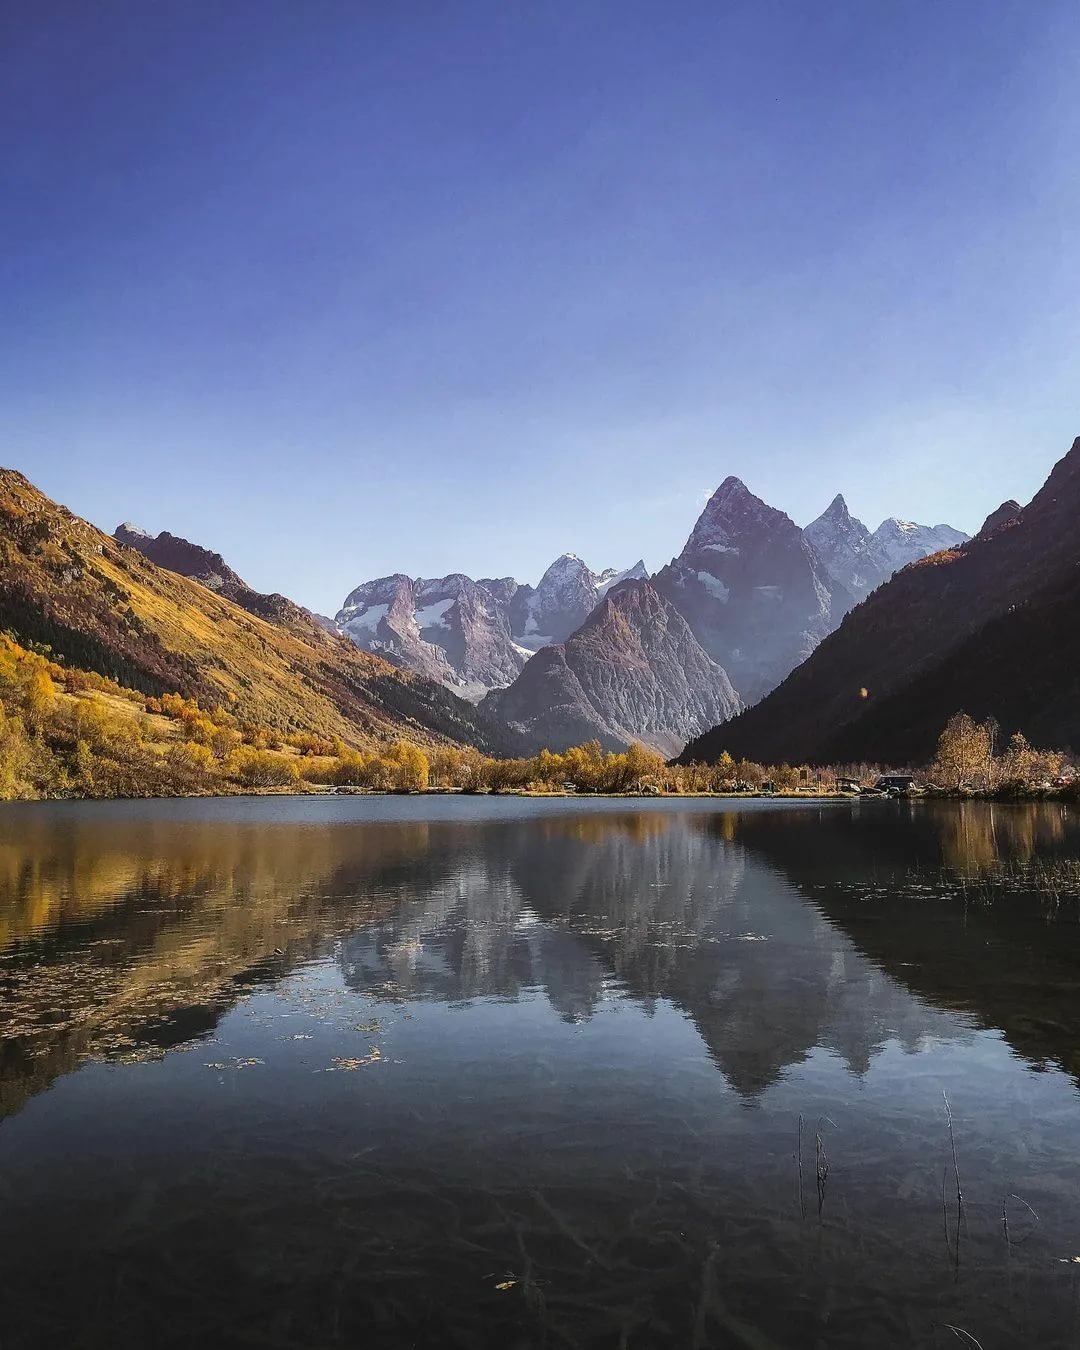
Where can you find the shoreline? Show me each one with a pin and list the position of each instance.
(1063, 796)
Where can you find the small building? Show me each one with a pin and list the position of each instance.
(895, 782)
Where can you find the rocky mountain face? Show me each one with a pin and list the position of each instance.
(753, 590)
(989, 626)
(753, 594)
(1008, 513)
(567, 594)
(842, 543)
(632, 672)
(473, 636)
(211, 570)
(452, 629)
(860, 561)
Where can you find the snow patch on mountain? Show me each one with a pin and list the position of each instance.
(434, 616)
(474, 635)
(366, 619)
(714, 586)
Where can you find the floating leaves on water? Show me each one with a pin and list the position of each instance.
(506, 1284)
(347, 1064)
(235, 1063)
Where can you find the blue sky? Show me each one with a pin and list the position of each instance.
(349, 288)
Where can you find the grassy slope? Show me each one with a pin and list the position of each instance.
(104, 607)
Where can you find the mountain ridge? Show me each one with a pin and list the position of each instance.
(988, 626)
(104, 606)
(632, 672)
(473, 636)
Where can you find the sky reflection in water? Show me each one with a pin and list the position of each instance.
(508, 1073)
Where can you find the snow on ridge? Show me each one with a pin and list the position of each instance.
(368, 618)
(611, 578)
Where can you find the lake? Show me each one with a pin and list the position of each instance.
(496, 1072)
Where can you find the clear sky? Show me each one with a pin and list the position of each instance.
(342, 289)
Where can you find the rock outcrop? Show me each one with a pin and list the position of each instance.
(632, 672)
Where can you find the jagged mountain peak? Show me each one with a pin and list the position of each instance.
(990, 628)
(732, 495)
(835, 520)
(633, 671)
(860, 561)
(180, 555)
(566, 564)
(210, 569)
(1008, 513)
(734, 513)
(129, 530)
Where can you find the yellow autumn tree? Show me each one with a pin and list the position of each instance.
(414, 771)
(40, 699)
(963, 750)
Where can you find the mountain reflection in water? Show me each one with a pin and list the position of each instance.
(422, 1050)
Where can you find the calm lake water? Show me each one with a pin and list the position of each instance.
(505, 1073)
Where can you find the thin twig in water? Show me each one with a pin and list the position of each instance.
(962, 1335)
(1014, 1196)
(822, 1160)
(1005, 1217)
(945, 1210)
(798, 1159)
(956, 1170)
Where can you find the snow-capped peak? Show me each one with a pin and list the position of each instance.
(133, 531)
(861, 561)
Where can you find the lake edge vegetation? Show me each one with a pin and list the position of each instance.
(69, 733)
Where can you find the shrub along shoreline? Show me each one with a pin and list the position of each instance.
(67, 733)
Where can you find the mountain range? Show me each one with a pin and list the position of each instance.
(749, 597)
(761, 638)
(473, 636)
(990, 625)
(612, 655)
(860, 561)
